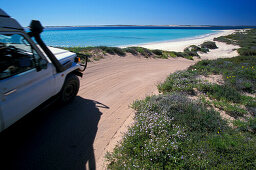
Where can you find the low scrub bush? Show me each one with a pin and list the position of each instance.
(118, 51)
(247, 51)
(233, 110)
(204, 50)
(209, 45)
(143, 51)
(171, 54)
(112, 50)
(246, 126)
(238, 72)
(224, 39)
(131, 50)
(246, 40)
(173, 132)
(179, 81)
(194, 48)
(220, 92)
(157, 52)
(191, 53)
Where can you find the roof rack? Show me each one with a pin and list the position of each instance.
(7, 22)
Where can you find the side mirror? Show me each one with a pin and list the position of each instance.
(25, 62)
(42, 64)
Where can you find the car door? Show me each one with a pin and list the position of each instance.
(23, 86)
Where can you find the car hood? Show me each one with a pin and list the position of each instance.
(62, 55)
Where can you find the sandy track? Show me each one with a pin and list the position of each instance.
(116, 82)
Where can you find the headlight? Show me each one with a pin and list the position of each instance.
(77, 59)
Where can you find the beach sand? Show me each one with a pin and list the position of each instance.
(179, 45)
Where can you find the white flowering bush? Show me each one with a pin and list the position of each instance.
(180, 81)
(162, 126)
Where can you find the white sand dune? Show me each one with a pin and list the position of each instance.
(179, 45)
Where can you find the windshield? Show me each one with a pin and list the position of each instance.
(16, 55)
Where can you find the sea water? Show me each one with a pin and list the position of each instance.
(116, 36)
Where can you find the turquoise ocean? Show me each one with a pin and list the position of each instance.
(117, 36)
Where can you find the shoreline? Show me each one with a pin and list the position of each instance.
(172, 40)
(180, 44)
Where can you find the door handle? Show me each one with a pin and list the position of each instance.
(10, 92)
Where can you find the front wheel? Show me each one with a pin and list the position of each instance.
(69, 89)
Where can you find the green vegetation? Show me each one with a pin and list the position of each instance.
(204, 48)
(171, 131)
(97, 53)
(182, 128)
(246, 40)
(209, 45)
(238, 73)
(248, 126)
(181, 81)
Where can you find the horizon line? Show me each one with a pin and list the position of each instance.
(124, 25)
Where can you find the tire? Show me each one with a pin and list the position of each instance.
(69, 89)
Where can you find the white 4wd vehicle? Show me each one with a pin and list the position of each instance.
(31, 73)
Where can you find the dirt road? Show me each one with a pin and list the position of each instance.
(68, 137)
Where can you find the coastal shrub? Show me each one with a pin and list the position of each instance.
(209, 45)
(247, 51)
(220, 92)
(112, 50)
(181, 81)
(131, 50)
(173, 132)
(204, 50)
(80, 53)
(190, 53)
(247, 126)
(187, 113)
(118, 51)
(224, 39)
(165, 55)
(233, 110)
(180, 54)
(157, 52)
(245, 39)
(249, 101)
(106, 49)
(194, 48)
(103, 50)
(172, 54)
(143, 51)
(238, 72)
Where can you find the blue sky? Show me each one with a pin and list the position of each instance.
(132, 12)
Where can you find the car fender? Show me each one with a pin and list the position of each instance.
(60, 77)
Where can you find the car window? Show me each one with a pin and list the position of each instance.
(16, 55)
